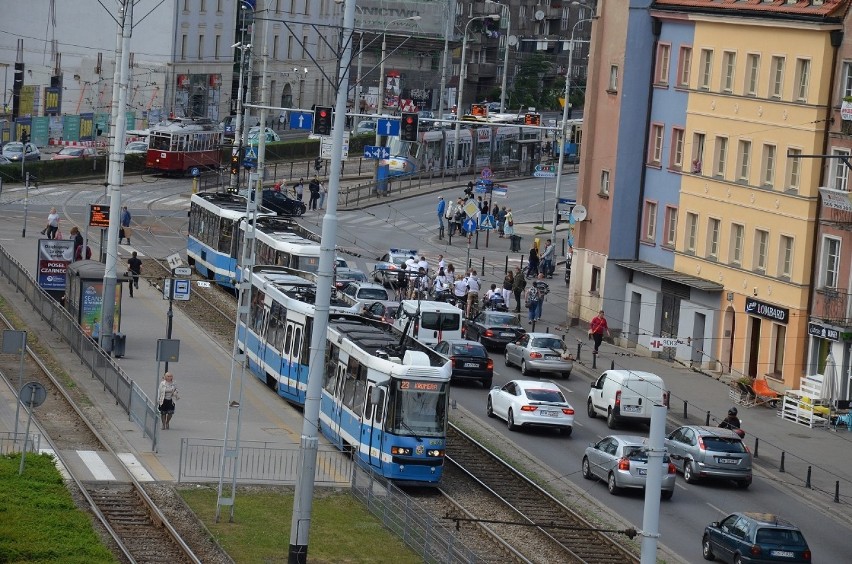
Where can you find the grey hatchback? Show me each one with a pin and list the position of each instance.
(710, 452)
(622, 460)
(754, 537)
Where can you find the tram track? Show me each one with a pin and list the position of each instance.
(134, 526)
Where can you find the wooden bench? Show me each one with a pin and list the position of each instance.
(765, 394)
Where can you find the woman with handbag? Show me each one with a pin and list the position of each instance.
(509, 227)
(167, 395)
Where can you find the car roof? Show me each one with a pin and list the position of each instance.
(713, 431)
(768, 519)
(462, 342)
(630, 440)
(367, 285)
(531, 384)
(621, 373)
(539, 335)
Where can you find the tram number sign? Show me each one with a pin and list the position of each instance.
(419, 386)
(98, 215)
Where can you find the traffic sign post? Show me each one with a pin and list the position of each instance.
(31, 394)
(250, 157)
(376, 152)
(486, 174)
(388, 127)
(301, 120)
(545, 171)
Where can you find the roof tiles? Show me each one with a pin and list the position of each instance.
(825, 9)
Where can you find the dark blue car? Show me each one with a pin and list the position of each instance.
(754, 537)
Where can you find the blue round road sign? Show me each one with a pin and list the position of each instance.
(194, 171)
(486, 173)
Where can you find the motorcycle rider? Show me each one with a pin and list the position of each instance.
(731, 421)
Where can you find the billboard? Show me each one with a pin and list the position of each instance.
(54, 256)
(91, 302)
(385, 15)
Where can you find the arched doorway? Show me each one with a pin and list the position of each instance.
(287, 97)
(728, 329)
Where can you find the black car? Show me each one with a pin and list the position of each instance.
(384, 311)
(281, 204)
(494, 329)
(470, 360)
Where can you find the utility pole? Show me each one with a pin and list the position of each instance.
(303, 501)
(245, 61)
(118, 130)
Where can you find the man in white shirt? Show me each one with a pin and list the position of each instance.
(547, 258)
(424, 264)
(473, 287)
(460, 290)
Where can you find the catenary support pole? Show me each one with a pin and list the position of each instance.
(653, 485)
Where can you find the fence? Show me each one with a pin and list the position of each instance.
(9, 442)
(125, 391)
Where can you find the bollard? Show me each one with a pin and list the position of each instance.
(756, 445)
(837, 491)
(612, 365)
(506, 267)
(594, 360)
(476, 242)
(782, 463)
(685, 415)
(707, 419)
(579, 346)
(808, 479)
(482, 270)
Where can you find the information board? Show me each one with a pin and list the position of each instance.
(98, 215)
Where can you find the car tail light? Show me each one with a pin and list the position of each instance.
(488, 333)
(623, 464)
(666, 399)
(672, 468)
(701, 444)
(453, 360)
(806, 555)
(567, 411)
(490, 364)
(535, 355)
(528, 408)
(618, 398)
(755, 550)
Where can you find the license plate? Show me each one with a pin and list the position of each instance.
(471, 365)
(630, 408)
(729, 461)
(784, 553)
(551, 357)
(507, 334)
(643, 471)
(550, 413)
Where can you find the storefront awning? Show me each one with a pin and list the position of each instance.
(670, 275)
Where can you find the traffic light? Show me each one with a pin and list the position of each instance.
(235, 163)
(318, 164)
(532, 119)
(409, 127)
(322, 120)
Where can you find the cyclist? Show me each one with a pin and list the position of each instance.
(473, 287)
(421, 285)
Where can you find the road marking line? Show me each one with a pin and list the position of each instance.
(681, 486)
(717, 509)
(95, 464)
(135, 467)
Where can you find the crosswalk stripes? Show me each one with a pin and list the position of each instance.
(95, 464)
(135, 467)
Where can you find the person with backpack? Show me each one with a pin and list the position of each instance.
(519, 284)
(314, 189)
(535, 298)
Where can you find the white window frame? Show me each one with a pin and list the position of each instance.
(729, 69)
(664, 57)
(613, 78)
(698, 146)
(604, 187)
(803, 77)
(671, 226)
(839, 170)
(714, 225)
(743, 160)
(794, 169)
(691, 233)
(684, 66)
(761, 249)
(656, 156)
(776, 77)
(785, 256)
(650, 221)
(770, 157)
(677, 148)
(737, 237)
(720, 159)
(705, 69)
(846, 79)
(752, 79)
(829, 270)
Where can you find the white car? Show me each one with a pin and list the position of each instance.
(254, 133)
(366, 126)
(531, 403)
(136, 148)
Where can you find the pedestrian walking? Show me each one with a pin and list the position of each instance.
(124, 231)
(519, 284)
(535, 298)
(52, 224)
(440, 209)
(449, 214)
(547, 259)
(300, 189)
(167, 395)
(323, 193)
(501, 221)
(509, 225)
(78, 242)
(508, 284)
(313, 188)
(134, 269)
(597, 327)
(532, 264)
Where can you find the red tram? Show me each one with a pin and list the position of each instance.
(183, 145)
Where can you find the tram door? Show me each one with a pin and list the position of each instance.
(372, 424)
(337, 401)
(290, 367)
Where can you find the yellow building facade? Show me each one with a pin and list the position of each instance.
(759, 90)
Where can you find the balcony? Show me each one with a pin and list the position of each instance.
(833, 307)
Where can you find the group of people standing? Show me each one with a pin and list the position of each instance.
(454, 213)
(317, 192)
(541, 263)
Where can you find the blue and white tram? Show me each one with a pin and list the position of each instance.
(384, 396)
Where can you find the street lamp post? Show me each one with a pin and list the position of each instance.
(563, 129)
(462, 75)
(505, 8)
(238, 122)
(443, 87)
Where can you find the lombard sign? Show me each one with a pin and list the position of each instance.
(823, 332)
(769, 311)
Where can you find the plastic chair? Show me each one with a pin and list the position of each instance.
(765, 394)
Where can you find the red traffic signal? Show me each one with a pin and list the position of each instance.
(409, 127)
(322, 120)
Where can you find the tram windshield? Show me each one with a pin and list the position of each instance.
(418, 408)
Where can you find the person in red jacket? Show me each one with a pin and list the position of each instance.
(597, 328)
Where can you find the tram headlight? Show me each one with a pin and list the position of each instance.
(401, 450)
(435, 452)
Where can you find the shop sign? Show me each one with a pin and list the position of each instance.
(817, 330)
(769, 311)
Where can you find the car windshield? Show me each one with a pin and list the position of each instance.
(503, 319)
(440, 321)
(547, 343)
(640, 454)
(372, 294)
(69, 151)
(540, 394)
(13, 148)
(722, 444)
(785, 537)
(469, 349)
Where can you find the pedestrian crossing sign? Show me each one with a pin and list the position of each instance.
(487, 222)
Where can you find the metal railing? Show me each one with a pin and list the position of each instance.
(10, 442)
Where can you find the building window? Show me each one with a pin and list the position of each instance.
(705, 69)
(729, 63)
(691, 232)
(200, 47)
(684, 64)
(752, 74)
(721, 156)
(713, 238)
(785, 258)
(671, 226)
(656, 156)
(794, 169)
(697, 153)
(803, 75)
(216, 47)
(604, 183)
(203, 8)
(846, 80)
(839, 171)
(761, 245)
(650, 221)
(289, 47)
(305, 42)
(185, 5)
(596, 280)
(830, 264)
(767, 175)
(779, 346)
(737, 232)
(744, 161)
(183, 39)
(275, 42)
(676, 158)
(776, 87)
(613, 78)
(664, 54)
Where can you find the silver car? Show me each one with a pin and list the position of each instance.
(15, 150)
(540, 352)
(710, 452)
(622, 461)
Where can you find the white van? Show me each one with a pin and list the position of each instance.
(626, 395)
(437, 321)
